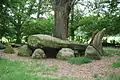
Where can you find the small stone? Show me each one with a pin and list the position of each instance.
(38, 54)
(24, 51)
(65, 53)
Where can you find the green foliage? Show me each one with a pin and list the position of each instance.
(38, 26)
(106, 15)
(111, 51)
(9, 49)
(116, 64)
(14, 13)
(79, 60)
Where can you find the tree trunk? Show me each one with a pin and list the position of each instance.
(72, 25)
(18, 29)
(62, 10)
(39, 6)
(18, 35)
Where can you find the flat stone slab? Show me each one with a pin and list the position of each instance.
(41, 40)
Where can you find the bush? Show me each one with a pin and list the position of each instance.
(37, 26)
(79, 60)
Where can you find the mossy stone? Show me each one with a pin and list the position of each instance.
(9, 49)
(24, 51)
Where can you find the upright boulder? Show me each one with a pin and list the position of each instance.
(24, 51)
(65, 53)
(95, 49)
(38, 54)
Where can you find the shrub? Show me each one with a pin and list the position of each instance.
(79, 60)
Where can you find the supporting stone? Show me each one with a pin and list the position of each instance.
(95, 49)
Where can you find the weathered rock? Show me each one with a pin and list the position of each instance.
(65, 53)
(40, 40)
(38, 54)
(9, 49)
(79, 49)
(1, 53)
(24, 51)
(92, 53)
(15, 45)
(47, 42)
(1, 46)
(95, 49)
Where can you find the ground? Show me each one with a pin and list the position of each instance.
(65, 69)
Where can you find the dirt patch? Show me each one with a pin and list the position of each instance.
(87, 71)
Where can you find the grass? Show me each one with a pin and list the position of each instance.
(108, 77)
(79, 60)
(108, 51)
(33, 70)
(116, 64)
(14, 70)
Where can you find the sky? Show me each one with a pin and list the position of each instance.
(78, 6)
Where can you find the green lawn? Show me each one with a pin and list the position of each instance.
(117, 63)
(19, 70)
(79, 60)
(108, 77)
(108, 51)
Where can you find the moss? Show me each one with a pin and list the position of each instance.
(9, 49)
(35, 41)
(24, 51)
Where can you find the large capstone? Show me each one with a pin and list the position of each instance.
(52, 45)
(40, 40)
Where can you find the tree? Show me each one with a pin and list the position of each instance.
(19, 11)
(62, 10)
(3, 18)
(37, 26)
(105, 14)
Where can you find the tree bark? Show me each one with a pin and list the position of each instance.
(18, 35)
(62, 10)
(18, 29)
(39, 6)
(72, 25)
